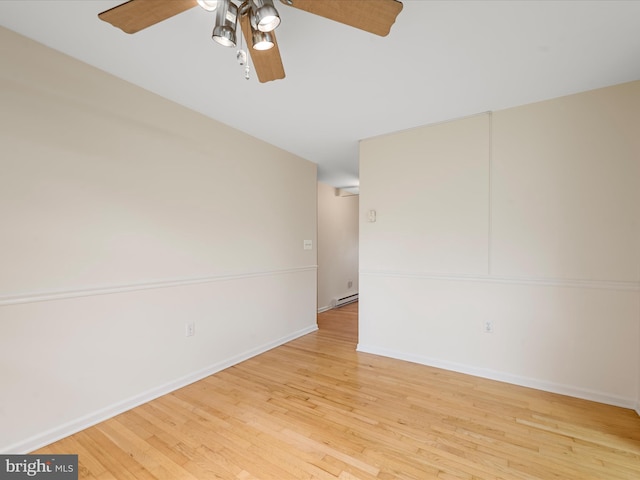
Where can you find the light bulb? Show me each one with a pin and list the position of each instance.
(208, 5)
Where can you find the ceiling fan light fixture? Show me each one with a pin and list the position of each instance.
(266, 16)
(225, 36)
(261, 40)
(225, 30)
(208, 5)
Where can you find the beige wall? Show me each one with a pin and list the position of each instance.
(337, 246)
(429, 191)
(125, 216)
(528, 218)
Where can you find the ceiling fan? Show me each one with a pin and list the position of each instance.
(258, 19)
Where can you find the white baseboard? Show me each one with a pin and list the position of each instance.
(86, 421)
(568, 390)
(324, 309)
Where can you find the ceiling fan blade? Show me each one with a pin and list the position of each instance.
(266, 63)
(374, 16)
(135, 15)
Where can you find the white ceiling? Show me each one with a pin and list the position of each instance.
(442, 60)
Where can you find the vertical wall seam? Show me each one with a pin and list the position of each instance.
(490, 180)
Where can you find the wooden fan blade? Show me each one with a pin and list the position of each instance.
(375, 16)
(267, 63)
(135, 15)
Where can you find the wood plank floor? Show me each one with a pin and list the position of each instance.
(317, 409)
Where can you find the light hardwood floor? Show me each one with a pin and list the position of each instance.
(316, 408)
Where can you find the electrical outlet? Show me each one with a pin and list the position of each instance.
(488, 326)
(189, 329)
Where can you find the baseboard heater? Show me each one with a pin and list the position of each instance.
(345, 300)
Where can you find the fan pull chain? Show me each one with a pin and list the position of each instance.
(242, 57)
